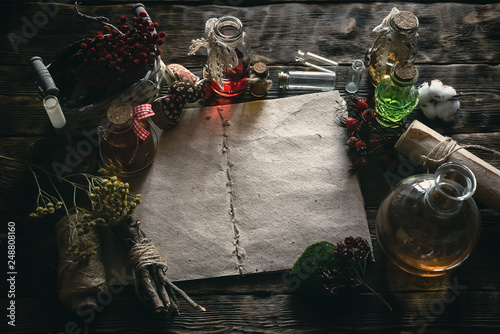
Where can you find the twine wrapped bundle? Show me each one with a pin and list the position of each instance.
(78, 282)
(426, 147)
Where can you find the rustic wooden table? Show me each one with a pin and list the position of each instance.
(460, 46)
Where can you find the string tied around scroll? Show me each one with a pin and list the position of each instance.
(442, 151)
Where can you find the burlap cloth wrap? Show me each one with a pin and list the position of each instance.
(78, 283)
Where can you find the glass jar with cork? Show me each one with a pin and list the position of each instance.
(396, 96)
(397, 41)
(127, 146)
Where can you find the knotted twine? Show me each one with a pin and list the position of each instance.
(443, 150)
(220, 54)
(143, 255)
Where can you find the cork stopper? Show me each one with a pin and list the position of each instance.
(404, 71)
(405, 20)
(120, 114)
(283, 79)
(260, 70)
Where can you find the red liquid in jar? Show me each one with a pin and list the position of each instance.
(234, 81)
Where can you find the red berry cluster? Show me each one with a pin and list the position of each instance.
(120, 55)
(356, 249)
(349, 260)
(360, 125)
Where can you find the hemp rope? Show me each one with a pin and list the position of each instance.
(220, 54)
(443, 150)
(146, 254)
(143, 255)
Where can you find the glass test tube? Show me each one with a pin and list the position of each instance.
(354, 76)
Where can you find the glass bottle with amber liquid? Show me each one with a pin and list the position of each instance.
(229, 30)
(429, 224)
(398, 42)
(119, 144)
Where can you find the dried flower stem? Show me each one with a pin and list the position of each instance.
(100, 19)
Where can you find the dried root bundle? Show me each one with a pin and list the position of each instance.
(149, 268)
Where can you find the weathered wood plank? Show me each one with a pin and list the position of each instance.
(440, 311)
(450, 32)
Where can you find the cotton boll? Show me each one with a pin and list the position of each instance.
(436, 89)
(424, 95)
(429, 109)
(443, 109)
(447, 93)
(450, 115)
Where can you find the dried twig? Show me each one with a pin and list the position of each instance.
(100, 19)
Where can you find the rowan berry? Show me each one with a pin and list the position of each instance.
(361, 105)
(352, 124)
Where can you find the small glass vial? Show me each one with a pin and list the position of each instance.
(309, 58)
(429, 224)
(354, 76)
(400, 42)
(54, 111)
(119, 144)
(396, 96)
(229, 30)
(307, 80)
(259, 82)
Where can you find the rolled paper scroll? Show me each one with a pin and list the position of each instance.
(421, 144)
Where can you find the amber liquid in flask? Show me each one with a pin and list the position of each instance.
(429, 224)
(121, 147)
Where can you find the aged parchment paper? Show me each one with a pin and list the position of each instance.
(245, 188)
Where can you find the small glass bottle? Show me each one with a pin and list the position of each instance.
(309, 58)
(396, 96)
(54, 111)
(399, 42)
(307, 80)
(119, 144)
(229, 29)
(259, 82)
(354, 76)
(429, 224)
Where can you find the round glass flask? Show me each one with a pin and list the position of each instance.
(429, 224)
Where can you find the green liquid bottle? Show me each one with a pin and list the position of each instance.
(396, 96)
